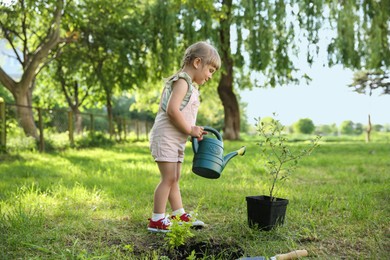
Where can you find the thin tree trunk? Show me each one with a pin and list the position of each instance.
(79, 121)
(368, 131)
(231, 129)
(109, 113)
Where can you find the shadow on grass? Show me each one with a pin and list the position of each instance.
(8, 158)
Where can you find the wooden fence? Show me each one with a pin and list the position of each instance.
(59, 120)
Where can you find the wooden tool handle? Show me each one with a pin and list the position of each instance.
(292, 255)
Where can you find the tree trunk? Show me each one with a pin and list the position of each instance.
(111, 127)
(79, 121)
(32, 64)
(73, 104)
(231, 130)
(22, 93)
(25, 114)
(369, 128)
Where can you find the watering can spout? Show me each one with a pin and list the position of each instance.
(229, 156)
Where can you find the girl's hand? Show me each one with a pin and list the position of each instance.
(201, 137)
(197, 131)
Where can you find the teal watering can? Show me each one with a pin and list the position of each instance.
(209, 161)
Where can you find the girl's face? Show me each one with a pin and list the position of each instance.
(204, 73)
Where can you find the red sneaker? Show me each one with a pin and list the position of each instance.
(161, 225)
(188, 218)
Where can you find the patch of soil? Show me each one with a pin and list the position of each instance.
(209, 248)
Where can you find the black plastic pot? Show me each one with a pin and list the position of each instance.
(264, 213)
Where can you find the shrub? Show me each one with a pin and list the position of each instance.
(278, 158)
(347, 127)
(94, 140)
(304, 126)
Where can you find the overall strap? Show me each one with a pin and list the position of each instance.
(168, 90)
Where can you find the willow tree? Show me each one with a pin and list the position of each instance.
(267, 39)
(366, 82)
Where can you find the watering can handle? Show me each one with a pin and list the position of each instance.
(214, 131)
(195, 143)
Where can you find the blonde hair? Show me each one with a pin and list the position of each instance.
(203, 50)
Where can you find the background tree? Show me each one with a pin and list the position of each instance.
(114, 34)
(68, 81)
(367, 82)
(304, 126)
(268, 36)
(386, 128)
(358, 128)
(34, 45)
(378, 127)
(327, 129)
(347, 127)
(110, 43)
(129, 48)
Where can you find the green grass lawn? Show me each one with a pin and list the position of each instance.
(94, 204)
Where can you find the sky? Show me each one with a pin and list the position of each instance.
(327, 99)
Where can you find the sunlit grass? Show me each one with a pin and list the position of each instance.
(95, 202)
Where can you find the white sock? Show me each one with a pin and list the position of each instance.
(157, 216)
(178, 212)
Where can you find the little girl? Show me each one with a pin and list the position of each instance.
(174, 123)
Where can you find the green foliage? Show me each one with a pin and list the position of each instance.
(179, 235)
(380, 128)
(114, 62)
(371, 19)
(5, 94)
(210, 110)
(180, 231)
(347, 127)
(304, 126)
(55, 141)
(327, 129)
(12, 25)
(16, 139)
(268, 124)
(86, 61)
(96, 139)
(358, 129)
(278, 158)
(269, 36)
(267, 53)
(110, 46)
(368, 81)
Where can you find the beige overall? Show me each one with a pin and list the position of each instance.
(167, 143)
